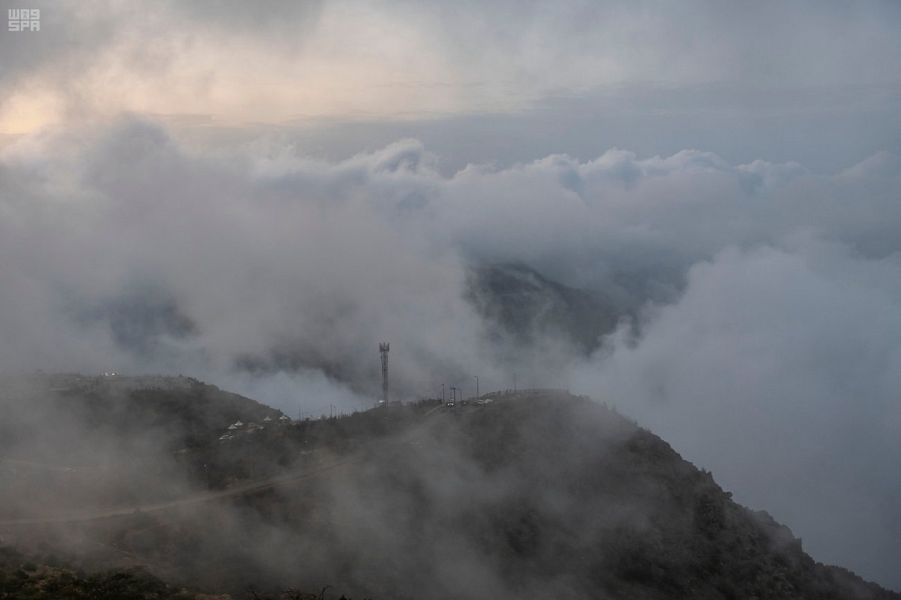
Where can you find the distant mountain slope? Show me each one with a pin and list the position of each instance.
(523, 306)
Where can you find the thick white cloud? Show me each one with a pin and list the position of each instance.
(297, 268)
(770, 290)
(769, 350)
(779, 370)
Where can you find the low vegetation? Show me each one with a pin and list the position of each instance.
(533, 495)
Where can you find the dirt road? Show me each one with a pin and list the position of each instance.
(240, 490)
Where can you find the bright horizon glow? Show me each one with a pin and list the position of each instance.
(389, 72)
(344, 61)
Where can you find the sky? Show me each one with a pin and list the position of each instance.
(258, 193)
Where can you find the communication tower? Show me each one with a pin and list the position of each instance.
(383, 350)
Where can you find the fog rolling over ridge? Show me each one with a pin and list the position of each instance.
(690, 213)
(531, 494)
(754, 302)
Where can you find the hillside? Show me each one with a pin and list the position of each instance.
(520, 306)
(182, 410)
(72, 441)
(532, 495)
(25, 579)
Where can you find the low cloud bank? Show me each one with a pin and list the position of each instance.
(767, 347)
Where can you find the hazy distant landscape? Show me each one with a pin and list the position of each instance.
(255, 255)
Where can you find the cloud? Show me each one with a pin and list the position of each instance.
(767, 289)
(281, 61)
(769, 293)
(229, 263)
(778, 369)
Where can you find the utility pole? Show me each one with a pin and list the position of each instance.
(383, 350)
(442, 392)
(477, 386)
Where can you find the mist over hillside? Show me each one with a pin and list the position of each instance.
(689, 211)
(521, 308)
(785, 294)
(529, 494)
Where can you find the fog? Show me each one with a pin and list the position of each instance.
(474, 504)
(768, 295)
(258, 197)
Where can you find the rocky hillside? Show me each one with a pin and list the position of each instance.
(529, 495)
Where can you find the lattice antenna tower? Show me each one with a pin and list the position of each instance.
(383, 350)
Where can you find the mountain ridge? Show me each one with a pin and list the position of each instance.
(524, 494)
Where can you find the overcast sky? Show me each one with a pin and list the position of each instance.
(304, 179)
